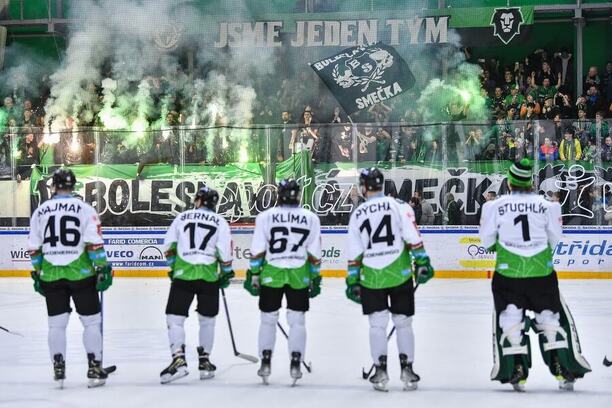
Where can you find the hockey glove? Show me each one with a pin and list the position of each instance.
(353, 292)
(423, 269)
(104, 277)
(315, 287)
(251, 283)
(225, 277)
(36, 277)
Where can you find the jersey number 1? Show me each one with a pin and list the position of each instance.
(68, 236)
(524, 226)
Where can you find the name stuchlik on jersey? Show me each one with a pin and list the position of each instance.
(536, 208)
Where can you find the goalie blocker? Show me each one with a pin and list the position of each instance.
(554, 326)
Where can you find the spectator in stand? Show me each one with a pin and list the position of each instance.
(489, 153)
(427, 213)
(307, 135)
(366, 143)
(473, 144)
(530, 86)
(453, 212)
(548, 151)
(496, 103)
(570, 149)
(558, 128)
(383, 145)
(591, 152)
(406, 143)
(546, 73)
(594, 101)
(545, 91)
(430, 152)
(514, 100)
(582, 124)
(486, 82)
(530, 108)
(287, 134)
(607, 82)
(415, 203)
(563, 104)
(606, 150)
(508, 83)
(592, 78)
(342, 141)
(549, 110)
(599, 130)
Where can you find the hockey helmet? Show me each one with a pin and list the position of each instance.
(372, 179)
(63, 179)
(288, 191)
(208, 197)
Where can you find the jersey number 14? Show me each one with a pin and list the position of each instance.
(383, 227)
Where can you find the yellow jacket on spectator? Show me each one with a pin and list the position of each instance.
(570, 151)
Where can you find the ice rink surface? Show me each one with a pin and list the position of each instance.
(453, 353)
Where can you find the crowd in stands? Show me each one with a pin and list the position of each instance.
(532, 107)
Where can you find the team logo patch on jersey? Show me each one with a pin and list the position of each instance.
(507, 23)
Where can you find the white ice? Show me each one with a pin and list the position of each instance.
(453, 353)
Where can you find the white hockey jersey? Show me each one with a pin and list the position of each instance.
(200, 237)
(524, 228)
(378, 234)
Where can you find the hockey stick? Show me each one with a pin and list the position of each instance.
(308, 367)
(11, 332)
(607, 362)
(247, 357)
(366, 374)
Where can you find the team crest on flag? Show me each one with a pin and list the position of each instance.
(507, 23)
(363, 76)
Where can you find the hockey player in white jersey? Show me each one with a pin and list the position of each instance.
(383, 237)
(198, 248)
(67, 253)
(285, 261)
(523, 228)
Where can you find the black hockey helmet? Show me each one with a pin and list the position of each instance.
(288, 191)
(372, 179)
(208, 197)
(63, 179)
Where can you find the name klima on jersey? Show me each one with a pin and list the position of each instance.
(522, 208)
(59, 206)
(292, 218)
(200, 215)
(372, 208)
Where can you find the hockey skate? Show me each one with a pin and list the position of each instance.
(59, 370)
(266, 366)
(294, 367)
(207, 369)
(177, 369)
(380, 378)
(565, 378)
(408, 376)
(95, 374)
(519, 378)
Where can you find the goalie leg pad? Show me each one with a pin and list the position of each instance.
(510, 343)
(558, 336)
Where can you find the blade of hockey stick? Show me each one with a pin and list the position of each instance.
(247, 357)
(11, 332)
(607, 362)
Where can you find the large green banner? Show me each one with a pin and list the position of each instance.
(122, 199)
